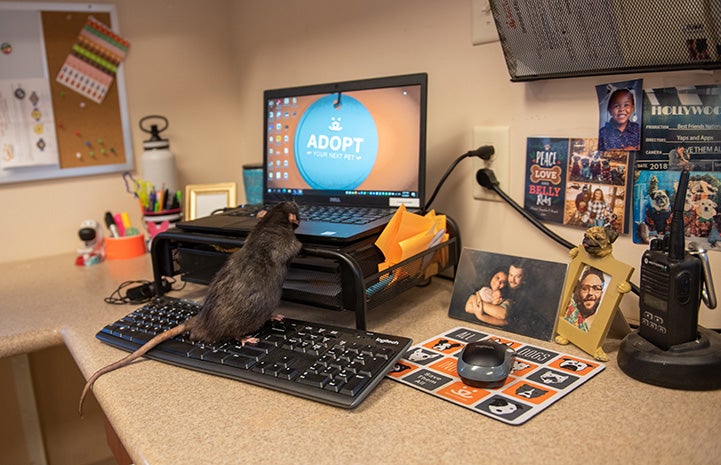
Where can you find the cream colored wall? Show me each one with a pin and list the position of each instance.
(204, 65)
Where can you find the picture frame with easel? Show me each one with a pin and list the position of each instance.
(204, 199)
(595, 284)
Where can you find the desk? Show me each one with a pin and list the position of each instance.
(169, 415)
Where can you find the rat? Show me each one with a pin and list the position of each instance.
(243, 294)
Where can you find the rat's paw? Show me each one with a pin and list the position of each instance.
(277, 317)
(249, 340)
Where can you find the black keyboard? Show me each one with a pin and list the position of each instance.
(327, 213)
(330, 364)
(347, 215)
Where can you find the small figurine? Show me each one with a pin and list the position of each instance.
(597, 241)
(94, 245)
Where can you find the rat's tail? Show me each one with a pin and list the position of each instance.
(169, 334)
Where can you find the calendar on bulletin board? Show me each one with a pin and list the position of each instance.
(63, 110)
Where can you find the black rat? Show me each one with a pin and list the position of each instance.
(243, 294)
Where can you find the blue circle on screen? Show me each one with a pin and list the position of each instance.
(336, 145)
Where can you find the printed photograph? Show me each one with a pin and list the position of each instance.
(586, 298)
(620, 106)
(515, 294)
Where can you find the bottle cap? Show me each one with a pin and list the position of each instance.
(155, 142)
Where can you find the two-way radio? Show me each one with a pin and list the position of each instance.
(672, 281)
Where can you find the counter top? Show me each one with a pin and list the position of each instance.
(169, 415)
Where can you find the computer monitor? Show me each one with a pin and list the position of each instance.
(354, 143)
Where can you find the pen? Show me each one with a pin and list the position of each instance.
(110, 223)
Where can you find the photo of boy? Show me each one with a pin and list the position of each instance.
(619, 129)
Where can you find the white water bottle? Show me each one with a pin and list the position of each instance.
(157, 161)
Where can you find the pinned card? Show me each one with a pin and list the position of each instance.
(93, 61)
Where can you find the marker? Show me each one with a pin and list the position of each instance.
(110, 223)
(126, 219)
(119, 224)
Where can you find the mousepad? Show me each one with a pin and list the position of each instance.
(540, 376)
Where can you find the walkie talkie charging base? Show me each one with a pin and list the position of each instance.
(693, 366)
(670, 349)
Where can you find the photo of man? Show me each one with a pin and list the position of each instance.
(586, 298)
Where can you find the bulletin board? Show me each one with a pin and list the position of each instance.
(51, 126)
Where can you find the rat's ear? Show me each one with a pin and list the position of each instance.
(261, 214)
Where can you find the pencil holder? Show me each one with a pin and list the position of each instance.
(157, 222)
(118, 248)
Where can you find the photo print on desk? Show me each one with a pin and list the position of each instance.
(515, 294)
(539, 378)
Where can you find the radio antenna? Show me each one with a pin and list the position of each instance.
(677, 241)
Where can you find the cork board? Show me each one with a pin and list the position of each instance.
(92, 137)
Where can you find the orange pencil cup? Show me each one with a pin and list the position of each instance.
(118, 248)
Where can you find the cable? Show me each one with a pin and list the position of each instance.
(485, 152)
(142, 292)
(487, 179)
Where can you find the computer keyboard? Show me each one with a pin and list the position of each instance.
(328, 213)
(329, 364)
(346, 215)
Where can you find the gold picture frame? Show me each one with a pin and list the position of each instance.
(203, 199)
(590, 334)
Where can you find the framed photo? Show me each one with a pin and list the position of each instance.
(594, 287)
(203, 199)
(514, 294)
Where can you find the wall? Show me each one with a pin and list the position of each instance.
(205, 69)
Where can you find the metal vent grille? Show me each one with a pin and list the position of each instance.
(543, 39)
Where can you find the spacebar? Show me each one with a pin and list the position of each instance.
(176, 347)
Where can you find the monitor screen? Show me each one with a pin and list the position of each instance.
(351, 143)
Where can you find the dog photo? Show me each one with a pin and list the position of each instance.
(511, 293)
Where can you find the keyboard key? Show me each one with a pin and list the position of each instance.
(236, 360)
(354, 385)
(176, 347)
(313, 379)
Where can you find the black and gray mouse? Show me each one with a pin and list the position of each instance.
(485, 364)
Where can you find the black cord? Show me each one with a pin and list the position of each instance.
(141, 292)
(487, 179)
(485, 152)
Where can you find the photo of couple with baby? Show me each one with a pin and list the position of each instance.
(515, 294)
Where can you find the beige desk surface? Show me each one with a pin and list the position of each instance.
(169, 415)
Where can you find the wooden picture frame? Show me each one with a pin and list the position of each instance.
(590, 336)
(203, 199)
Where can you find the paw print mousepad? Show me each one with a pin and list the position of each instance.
(540, 376)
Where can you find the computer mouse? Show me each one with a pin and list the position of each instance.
(485, 363)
